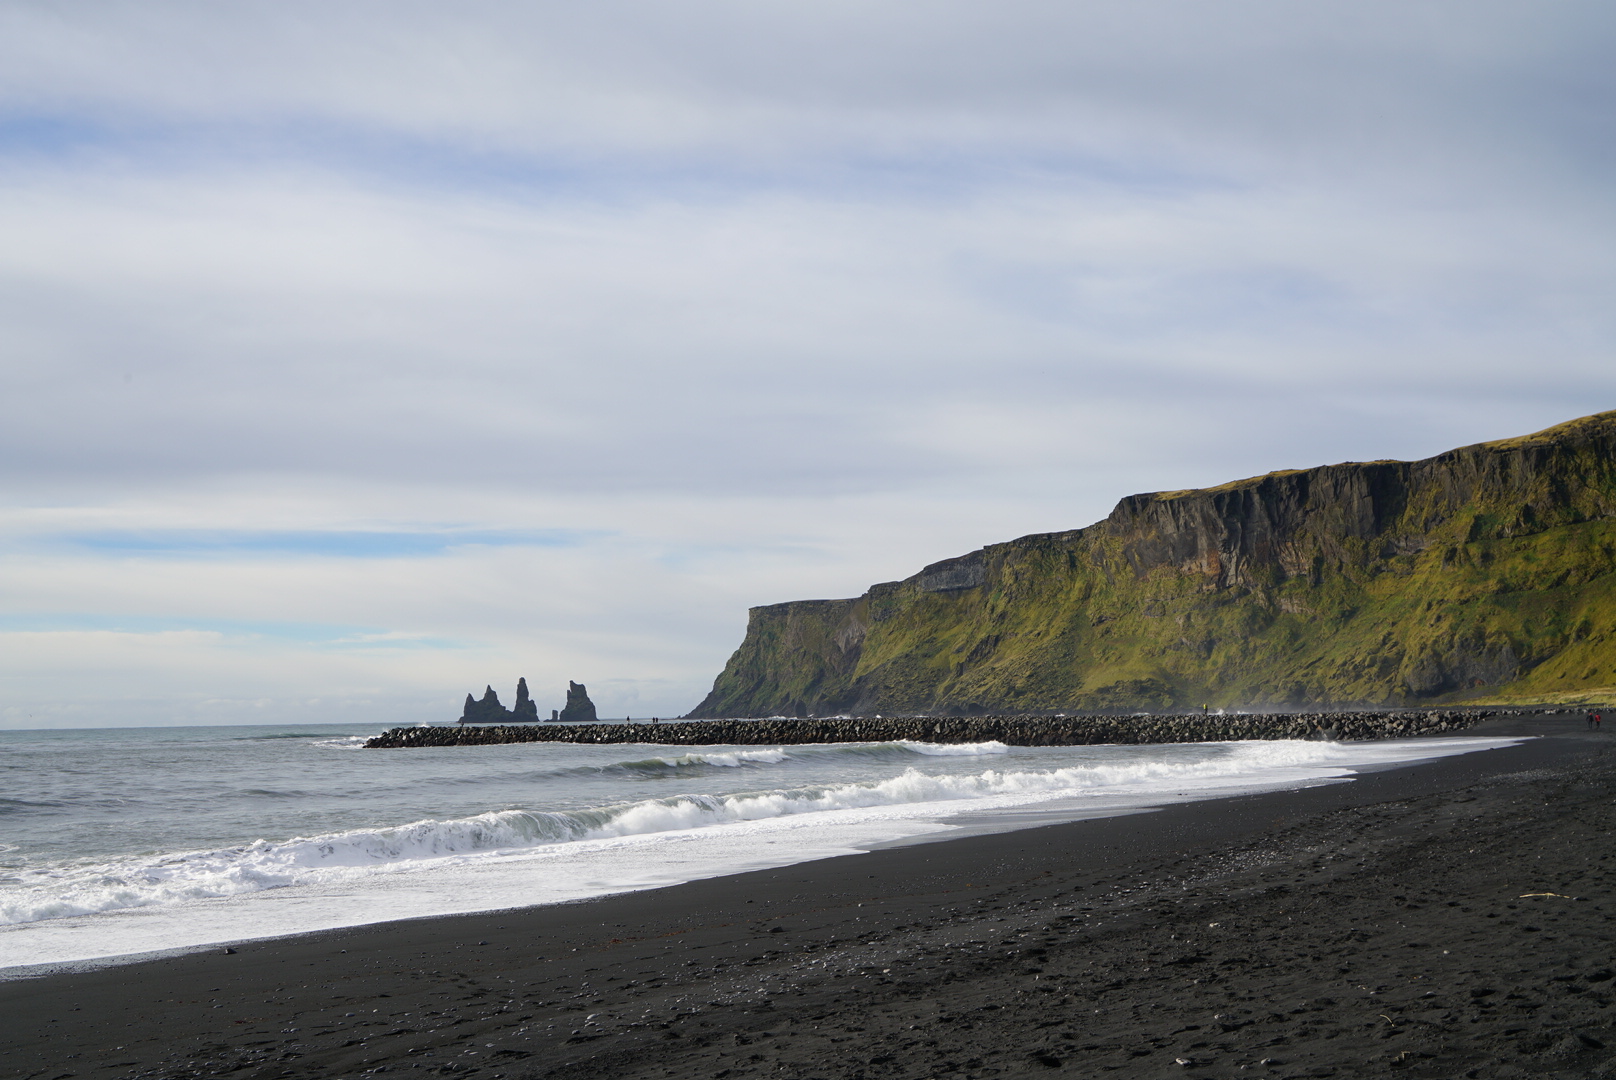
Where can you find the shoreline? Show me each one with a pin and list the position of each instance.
(1085, 730)
(961, 951)
(665, 845)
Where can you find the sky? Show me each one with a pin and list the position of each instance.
(354, 356)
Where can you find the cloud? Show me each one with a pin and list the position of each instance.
(353, 544)
(560, 335)
(645, 79)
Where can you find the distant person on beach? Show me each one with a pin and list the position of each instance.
(1590, 721)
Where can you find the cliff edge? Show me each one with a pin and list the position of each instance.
(1485, 572)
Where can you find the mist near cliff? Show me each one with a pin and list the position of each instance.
(358, 355)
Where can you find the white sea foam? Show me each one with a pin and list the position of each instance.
(730, 759)
(805, 803)
(346, 857)
(820, 751)
(975, 749)
(817, 753)
(343, 742)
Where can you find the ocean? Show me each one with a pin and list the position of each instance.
(123, 842)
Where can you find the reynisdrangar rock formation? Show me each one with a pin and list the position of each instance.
(488, 710)
(579, 708)
(524, 711)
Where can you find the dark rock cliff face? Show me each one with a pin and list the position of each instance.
(579, 709)
(1484, 570)
(524, 711)
(486, 711)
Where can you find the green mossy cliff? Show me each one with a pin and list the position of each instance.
(1485, 571)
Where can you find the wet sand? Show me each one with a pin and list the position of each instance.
(1373, 928)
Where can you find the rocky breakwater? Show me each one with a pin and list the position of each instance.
(1012, 730)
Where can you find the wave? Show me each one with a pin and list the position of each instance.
(992, 746)
(730, 759)
(898, 749)
(265, 864)
(24, 806)
(342, 742)
(283, 735)
(699, 760)
(314, 738)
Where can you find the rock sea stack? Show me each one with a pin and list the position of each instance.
(488, 710)
(524, 711)
(579, 709)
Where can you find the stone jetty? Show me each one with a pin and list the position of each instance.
(1012, 730)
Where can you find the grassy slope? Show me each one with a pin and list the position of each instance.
(1490, 570)
(1063, 639)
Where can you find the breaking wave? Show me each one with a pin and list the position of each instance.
(739, 759)
(39, 894)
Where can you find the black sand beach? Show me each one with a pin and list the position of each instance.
(1440, 920)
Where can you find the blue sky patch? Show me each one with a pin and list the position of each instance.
(321, 635)
(348, 544)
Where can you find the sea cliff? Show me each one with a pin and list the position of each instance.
(1485, 572)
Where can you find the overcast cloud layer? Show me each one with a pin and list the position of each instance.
(357, 355)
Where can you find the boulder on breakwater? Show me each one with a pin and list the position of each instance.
(1012, 730)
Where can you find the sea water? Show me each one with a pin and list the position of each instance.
(118, 842)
